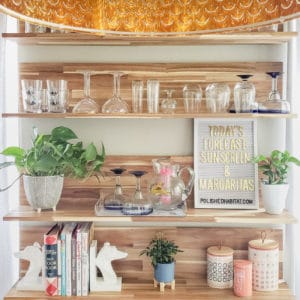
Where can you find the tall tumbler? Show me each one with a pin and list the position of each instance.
(31, 95)
(57, 93)
(152, 95)
(137, 96)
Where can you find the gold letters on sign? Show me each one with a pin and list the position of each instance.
(225, 175)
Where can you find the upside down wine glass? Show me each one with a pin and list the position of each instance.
(115, 200)
(138, 204)
(87, 104)
(274, 104)
(116, 104)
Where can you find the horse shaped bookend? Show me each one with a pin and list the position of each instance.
(32, 281)
(109, 280)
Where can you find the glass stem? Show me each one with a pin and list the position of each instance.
(118, 189)
(87, 82)
(138, 191)
(274, 84)
(117, 84)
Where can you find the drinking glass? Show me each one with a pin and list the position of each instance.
(87, 104)
(115, 200)
(244, 95)
(31, 94)
(152, 95)
(44, 101)
(192, 96)
(274, 104)
(217, 97)
(168, 104)
(116, 104)
(138, 204)
(57, 94)
(137, 96)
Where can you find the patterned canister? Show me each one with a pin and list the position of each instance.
(242, 277)
(220, 267)
(264, 255)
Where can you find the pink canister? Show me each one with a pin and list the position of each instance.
(242, 278)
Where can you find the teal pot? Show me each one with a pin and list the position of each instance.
(164, 272)
(274, 197)
(43, 192)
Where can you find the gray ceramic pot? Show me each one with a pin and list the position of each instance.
(43, 192)
(164, 272)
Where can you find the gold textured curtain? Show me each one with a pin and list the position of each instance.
(152, 16)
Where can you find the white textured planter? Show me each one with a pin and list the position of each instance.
(274, 196)
(43, 192)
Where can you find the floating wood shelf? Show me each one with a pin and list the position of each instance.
(144, 115)
(143, 289)
(132, 40)
(201, 216)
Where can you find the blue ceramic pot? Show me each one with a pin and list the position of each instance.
(164, 272)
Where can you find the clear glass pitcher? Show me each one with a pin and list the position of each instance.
(167, 188)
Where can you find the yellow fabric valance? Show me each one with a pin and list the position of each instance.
(152, 16)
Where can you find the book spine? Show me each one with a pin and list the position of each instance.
(73, 263)
(50, 246)
(63, 264)
(85, 263)
(78, 262)
(59, 267)
(68, 264)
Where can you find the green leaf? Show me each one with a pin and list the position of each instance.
(63, 133)
(16, 152)
(6, 164)
(46, 164)
(90, 152)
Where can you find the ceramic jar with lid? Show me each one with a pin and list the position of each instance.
(242, 277)
(220, 267)
(264, 255)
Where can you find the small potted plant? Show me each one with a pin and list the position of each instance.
(51, 158)
(162, 254)
(274, 185)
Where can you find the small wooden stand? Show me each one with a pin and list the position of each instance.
(163, 284)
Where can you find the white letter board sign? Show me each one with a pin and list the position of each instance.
(225, 177)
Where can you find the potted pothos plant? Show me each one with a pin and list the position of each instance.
(275, 187)
(162, 253)
(51, 158)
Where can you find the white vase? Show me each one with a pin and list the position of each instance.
(43, 192)
(274, 197)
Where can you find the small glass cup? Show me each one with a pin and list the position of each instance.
(192, 96)
(217, 97)
(137, 96)
(57, 94)
(31, 94)
(152, 96)
(44, 100)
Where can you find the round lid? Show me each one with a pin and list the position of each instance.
(220, 251)
(263, 244)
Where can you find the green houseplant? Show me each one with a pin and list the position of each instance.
(162, 253)
(275, 168)
(51, 158)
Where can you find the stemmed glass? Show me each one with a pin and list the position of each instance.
(87, 104)
(116, 104)
(274, 104)
(138, 204)
(115, 200)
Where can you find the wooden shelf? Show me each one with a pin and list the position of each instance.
(189, 289)
(193, 216)
(132, 40)
(145, 115)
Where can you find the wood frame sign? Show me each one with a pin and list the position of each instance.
(225, 177)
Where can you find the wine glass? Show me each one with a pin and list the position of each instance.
(274, 103)
(115, 200)
(87, 104)
(138, 204)
(116, 104)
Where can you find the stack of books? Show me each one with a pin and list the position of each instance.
(66, 253)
